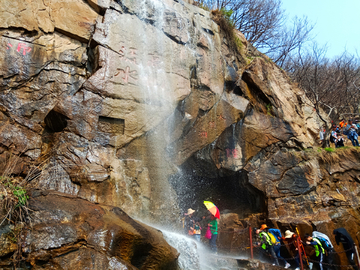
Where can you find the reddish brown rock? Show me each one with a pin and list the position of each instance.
(66, 229)
(112, 100)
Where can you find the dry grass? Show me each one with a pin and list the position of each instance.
(14, 202)
(13, 195)
(13, 192)
(227, 28)
(337, 154)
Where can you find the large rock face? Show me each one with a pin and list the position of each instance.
(146, 106)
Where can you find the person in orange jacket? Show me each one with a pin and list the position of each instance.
(342, 123)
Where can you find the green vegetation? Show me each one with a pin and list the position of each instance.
(13, 200)
(18, 191)
(269, 109)
(227, 15)
(329, 149)
(224, 19)
(239, 44)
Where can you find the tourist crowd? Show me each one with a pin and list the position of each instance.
(323, 253)
(272, 243)
(349, 129)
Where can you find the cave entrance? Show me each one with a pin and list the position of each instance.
(55, 121)
(229, 191)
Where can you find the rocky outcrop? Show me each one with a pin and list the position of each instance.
(67, 232)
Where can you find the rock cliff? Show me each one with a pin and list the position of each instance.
(148, 107)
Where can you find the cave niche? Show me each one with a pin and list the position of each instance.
(55, 121)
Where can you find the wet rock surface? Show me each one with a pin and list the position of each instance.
(143, 105)
(73, 233)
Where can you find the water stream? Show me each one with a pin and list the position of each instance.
(163, 70)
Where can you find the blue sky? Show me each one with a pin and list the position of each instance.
(337, 23)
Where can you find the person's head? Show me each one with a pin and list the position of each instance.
(334, 127)
(190, 212)
(257, 231)
(308, 237)
(288, 234)
(350, 121)
(263, 227)
(212, 217)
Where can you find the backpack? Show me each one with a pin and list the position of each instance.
(276, 233)
(332, 139)
(324, 240)
(324, 243)
(274, 236)
(273, 239)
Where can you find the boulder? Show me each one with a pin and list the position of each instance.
(65, 229)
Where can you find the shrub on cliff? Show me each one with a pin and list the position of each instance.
(13, 195)
(223, 18)
(13, 200)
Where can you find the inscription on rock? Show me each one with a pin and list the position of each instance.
(22, 48)
(111, 125)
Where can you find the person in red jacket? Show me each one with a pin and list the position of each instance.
(291, 240)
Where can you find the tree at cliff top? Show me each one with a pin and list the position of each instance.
(263, 24)
(332, 84)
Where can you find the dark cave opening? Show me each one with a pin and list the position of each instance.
(229, 191)
(55, 121)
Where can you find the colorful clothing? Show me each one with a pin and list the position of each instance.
(214, 234)
(214, 226)
(319, 251)
(266, 245)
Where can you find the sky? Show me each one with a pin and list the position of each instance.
(337, 23)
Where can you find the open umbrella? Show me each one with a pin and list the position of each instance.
(212, 209)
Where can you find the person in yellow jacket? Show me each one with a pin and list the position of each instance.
(265, 243)
(319, 250)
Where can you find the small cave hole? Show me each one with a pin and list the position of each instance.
(229, 86)
(238, 91)
(55, 121)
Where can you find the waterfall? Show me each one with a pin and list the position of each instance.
(157, 42)
(189, 258)
(196, 256)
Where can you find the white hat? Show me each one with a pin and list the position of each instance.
(288, 234)
(190, 211)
